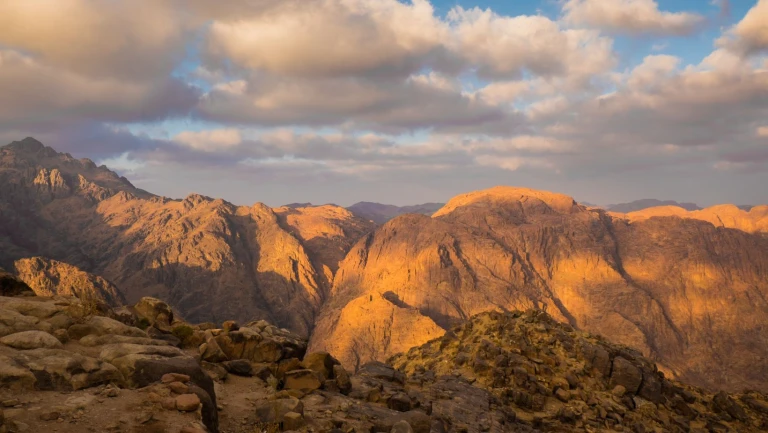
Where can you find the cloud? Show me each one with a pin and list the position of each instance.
(630, 16)
(134, 40)
(72, 61)
(36, 94)
(360, 103)
(209, 141)
(314, 38)
(750, 35)
(505, 47)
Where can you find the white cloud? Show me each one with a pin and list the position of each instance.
(629, 16)
(210, 141)
(750, 35)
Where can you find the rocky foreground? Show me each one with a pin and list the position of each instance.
(68, 365)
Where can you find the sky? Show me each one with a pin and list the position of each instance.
(401, 102)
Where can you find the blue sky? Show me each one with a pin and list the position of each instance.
(390, 101)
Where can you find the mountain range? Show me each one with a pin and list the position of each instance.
(689, 289)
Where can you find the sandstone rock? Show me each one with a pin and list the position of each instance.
(293, 421)
(100, 325)
(187, 402)
(31, 340)
(379, 370)
(157, 312)
(15, 376)
(174, 377)
(230, 325)
(178, 387)
(399, 402)
(239, 367)
(211, 352)
(626, 374)
(401, 427)
(302, 380)
(274, 411)
(342, 379)
(320, 362)
(168, 403)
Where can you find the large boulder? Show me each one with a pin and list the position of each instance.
(626, 374)
(156, 312)
(31, 340)
(321, 363)
(99, 325)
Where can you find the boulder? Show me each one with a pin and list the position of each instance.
(342, 379)
(187, 402)
(379, 370)
(625, 373)
(239, 367)
(401, 427)
(304, 380)
(321, 363)
(158, 313)
(15, 376)
(211, 352)
(31, 340)
(274, 411)
(100, 325)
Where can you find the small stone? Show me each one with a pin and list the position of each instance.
(144, 417)
(230, 326)
(178, 387)
(292, 421)
(49, 416)
(11, 402)
(563, 395)
(187, 402)
(168, 403)
(619, 391)
(113, 392)
(174, 377)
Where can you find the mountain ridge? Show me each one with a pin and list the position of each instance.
(364, 292)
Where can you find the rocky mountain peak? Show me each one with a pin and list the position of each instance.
(507, 195)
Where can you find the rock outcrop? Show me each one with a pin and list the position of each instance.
(50, 277)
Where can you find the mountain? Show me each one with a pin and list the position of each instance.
(688, 289)
(727, 215)
(688, 294)
(381, 213)
(211, 259)
(648, 203)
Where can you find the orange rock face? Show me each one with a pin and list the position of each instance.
(690, 295)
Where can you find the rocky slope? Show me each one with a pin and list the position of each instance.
(253, 261)
(67, 368)
(689, 295)
(381, 213)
